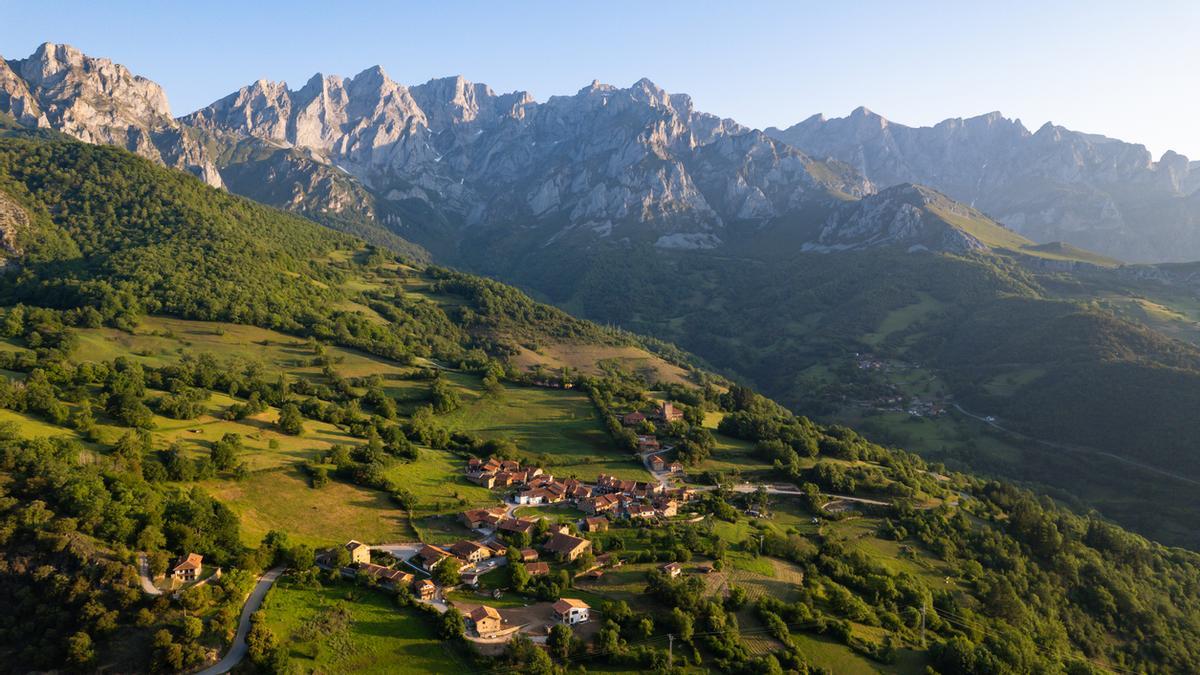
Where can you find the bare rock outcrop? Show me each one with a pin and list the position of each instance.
(98, 101)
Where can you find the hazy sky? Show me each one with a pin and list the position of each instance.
(1102, 67)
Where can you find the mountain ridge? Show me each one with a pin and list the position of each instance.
(1090, 190)
(435, 167)
(99, 101)
(644, 155)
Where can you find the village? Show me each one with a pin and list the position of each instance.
(511, 572)
(441, 576)
(887, 396)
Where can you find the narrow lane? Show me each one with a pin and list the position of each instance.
(237, 651)
(144, 576)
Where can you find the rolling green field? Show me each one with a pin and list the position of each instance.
(28, 426)
(555, 427)
(731, 455)
(160, 340)
(584, 358)
(378, 638)
(437, 480)
(281, 499)
(266, 447)
(558, 429)
(902, 318)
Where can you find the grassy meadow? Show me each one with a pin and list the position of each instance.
(554, 427)
(377, 638)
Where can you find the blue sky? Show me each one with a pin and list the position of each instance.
(1102, 67)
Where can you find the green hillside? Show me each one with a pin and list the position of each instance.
(189, 372)
(1094, 359)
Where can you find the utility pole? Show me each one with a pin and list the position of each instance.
(670, 650)
(922, 626)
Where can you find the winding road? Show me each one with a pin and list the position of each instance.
(237, 651)
(1080, 448)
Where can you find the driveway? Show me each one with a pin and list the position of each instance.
(487, 565)
(663, 477)
(237, 651)
(401, 551)
(144, 576)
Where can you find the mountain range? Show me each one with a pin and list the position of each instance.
(445, 162)
(448, 162)
(1051, 184)
(777, 257)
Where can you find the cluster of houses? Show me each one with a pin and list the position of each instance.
(869, 362)
(658, 465)
(610, 496)
(360, 557)
(486, 622)
(665, 413)
(920, 408)
(501, 473)
(462, 554)
(621, 498)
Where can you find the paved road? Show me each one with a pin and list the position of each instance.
(144, 576)
(237, 651)
(663, 477)
(780, 489)
(793, 490)
(1080, 448)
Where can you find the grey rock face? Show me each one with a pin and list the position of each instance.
(635, 162)
(902, 215)
(13, 220)
(1052, 184)
(455, 166)
(98, 101)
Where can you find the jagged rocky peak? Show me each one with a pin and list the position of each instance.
(596, 86)
(988, 125)
(906, 215)
(98, 101)
(17, 100)
(864, 115)
(264, 106)
(319, 115)
(1051, 184)
(51, 64)
(451, 101)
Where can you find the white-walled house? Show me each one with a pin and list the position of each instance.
(571, 611)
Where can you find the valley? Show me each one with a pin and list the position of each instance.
(754, 401)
